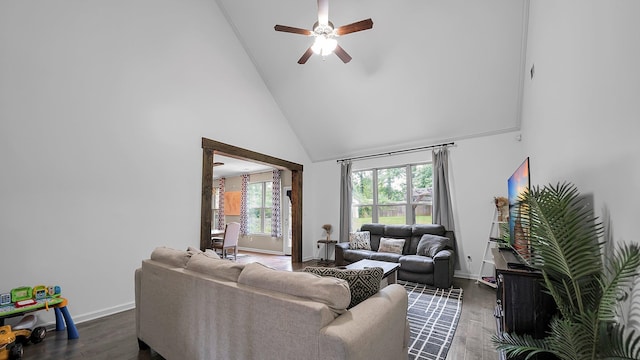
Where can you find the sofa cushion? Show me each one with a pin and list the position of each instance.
(430, 245)
(385, 256)
(417, 264)
(212, 254)
(362, 282)
(360, 240)
(169, 256)
(390, 245)
(357, 255)
(330, 291)
(223, 269)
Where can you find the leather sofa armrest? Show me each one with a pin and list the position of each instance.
(340, 248)
(443, 268)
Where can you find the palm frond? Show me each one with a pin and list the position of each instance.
(514, 345)
(619, 343)
(587, 286)
(631, 312)
(569, 340)
(564, 237)
(622, 270)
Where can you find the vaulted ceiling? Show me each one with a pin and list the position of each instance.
(429, 71)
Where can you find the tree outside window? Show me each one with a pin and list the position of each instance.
(386, 196)
(362, 198)
(392, 195)
(421, 193)
(259, 207)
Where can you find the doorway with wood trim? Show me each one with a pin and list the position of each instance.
(212, 147)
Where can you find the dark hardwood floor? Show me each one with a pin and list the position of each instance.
(114, 336)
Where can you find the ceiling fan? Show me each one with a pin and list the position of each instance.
(325, 34)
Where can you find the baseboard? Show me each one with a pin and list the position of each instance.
(261, 251)
(465, 276)
(78, 319)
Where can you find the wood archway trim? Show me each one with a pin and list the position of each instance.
(211, 147)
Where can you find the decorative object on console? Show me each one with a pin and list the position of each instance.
(502, 205)
(566, 247)
(327, 230)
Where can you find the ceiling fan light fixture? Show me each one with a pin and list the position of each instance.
(325, 34)
(324, 45)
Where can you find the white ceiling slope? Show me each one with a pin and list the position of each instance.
(428, 71)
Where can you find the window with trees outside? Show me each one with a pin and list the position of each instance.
(259, 207)
(394, 195)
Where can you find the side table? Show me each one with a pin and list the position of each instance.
(326, 243)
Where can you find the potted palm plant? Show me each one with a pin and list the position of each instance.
(587, 284)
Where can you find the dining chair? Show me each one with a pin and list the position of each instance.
(229, 240)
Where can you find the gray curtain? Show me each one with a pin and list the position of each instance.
(442, 209)
(345, 201)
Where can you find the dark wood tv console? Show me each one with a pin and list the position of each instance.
(522, 306)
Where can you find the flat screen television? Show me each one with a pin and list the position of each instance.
(518, 184)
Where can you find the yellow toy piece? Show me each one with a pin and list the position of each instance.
(26, 330)
(9, 348)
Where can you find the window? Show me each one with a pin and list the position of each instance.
(259, 207)
(395, 195)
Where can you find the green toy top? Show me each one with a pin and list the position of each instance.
(9, 310)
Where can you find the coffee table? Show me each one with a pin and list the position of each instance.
(390, 270)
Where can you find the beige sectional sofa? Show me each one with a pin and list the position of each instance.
(192, 306)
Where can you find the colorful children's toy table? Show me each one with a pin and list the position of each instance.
(59, 305)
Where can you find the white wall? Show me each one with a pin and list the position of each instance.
(580, 118)
(479, 171)
(102, 110)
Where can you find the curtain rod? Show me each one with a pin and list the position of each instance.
(396, 152)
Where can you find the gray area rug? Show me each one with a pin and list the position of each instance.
(433, 316)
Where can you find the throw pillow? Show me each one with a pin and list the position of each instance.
(391, 245)
(430, 245)
(360, 240)
(362, 282)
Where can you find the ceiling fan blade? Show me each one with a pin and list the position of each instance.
(342, 54)
(323, 12)
(356, 26)
(291, 29)
(307, 54)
